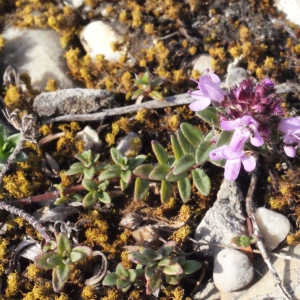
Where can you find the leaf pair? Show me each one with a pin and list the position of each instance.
(61, 260)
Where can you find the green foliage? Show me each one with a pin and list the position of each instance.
(191, 150)
(61, 259)
(146, 87)
(125, 278)
(122, 168)
(8, 145)
(87, 165)
(244, 241)
(95, 192)
(161, 264)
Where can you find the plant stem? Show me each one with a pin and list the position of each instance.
(264, 253)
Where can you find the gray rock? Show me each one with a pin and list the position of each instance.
(262, 286)
(235, 76)
(202, 63)
(232, 270)
(38, 53)
(291, 8)
(223, 221)
(274, 227)
(130, 145)
(72, 101)
(90, 138)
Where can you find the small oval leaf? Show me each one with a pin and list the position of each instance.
(209, 115)
(166, 191)
(159, 172)
(184, 188)
(192, 134)
(184, 163)
(201, 181)
(202, 152)
(143, 171)
(176, 147)
(141, 188)
(184, 143)
(160, 152)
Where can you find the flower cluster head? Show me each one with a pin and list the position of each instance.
(250, 110)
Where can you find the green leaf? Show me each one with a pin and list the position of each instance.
(13, 139)
(167, 248)
(76, 168)
(126, 176)
(201, 181)
(192, 134)
(190, 266)
(137, 93)
(80, 253)
(156, 95)
(176, 147)
(149, 254)
(166, 191)
(184, 143)
(184, 188)
(150, 271)
(173, 178)
(121, 271)
(141, 188)
(75, 198)
(133, 162)
(90, 185)
(184, 163)
(110, 173)
(104, 197)
(123, 184)
(173, 269)
(89, 199)
(63, 272)
(159, 172)
(132, 275)
(48, 260)
(202, 152)
(63, 243)
(164, 262)
(56, 283)
(173, 280)
(143, 171)
(116, 155)
(21, 156)
(224, 138)
(160, 152)
(89, 172)
(110, 279)
(138, 258)
(209, 115)
(153, 284)
(123, 285)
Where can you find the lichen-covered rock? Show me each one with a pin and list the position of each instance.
(72, 101)
(232, 270)
(274, 227)
(223, 221)
(90, 138)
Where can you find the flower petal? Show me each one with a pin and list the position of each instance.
(289, 124)
(217, 153)
(231, 125)
(238, 140)
(232, 169)
(200, 104)
(211, 89)
(257, 139)
(290, 151)
(248, 161)
(215, 78)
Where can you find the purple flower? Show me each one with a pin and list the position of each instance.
(244, 127)
(209, 91)
(291, 139)
(234, 161)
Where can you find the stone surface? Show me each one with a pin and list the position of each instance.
(130, 145)
(72, 101)
(262, 286)
(274, 227)
(90, 138)
(291, 8)
(38, 53)
(235, 76)
(224, 220)
(232, 270)
(202, 63)
(98, 37)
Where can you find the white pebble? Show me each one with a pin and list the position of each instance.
(97, 38)
(232, 270)
(38, 53)
(90, 138)
(202, 63)
(274, 227)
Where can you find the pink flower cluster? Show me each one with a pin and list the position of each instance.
(249, 110)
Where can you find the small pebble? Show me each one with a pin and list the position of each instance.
(274, 227)
(38, 53)
(202, 63)
(130, 145)
(90, 138)
(98, 37)
(232, 270)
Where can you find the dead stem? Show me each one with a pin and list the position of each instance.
(264, 253)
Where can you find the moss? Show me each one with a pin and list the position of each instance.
(244, 33)
(17, 185)
(149, 28)
(294, 238)
(51, 85)
(184, 213)
(192, 50)
(45, 129)
(125, 260)
(236, 51)
(174, 122)
(112, 295)
(88, 293)
(12, 288)
(181, 234)
(12, 97)
(135, 295)
(33, 272)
